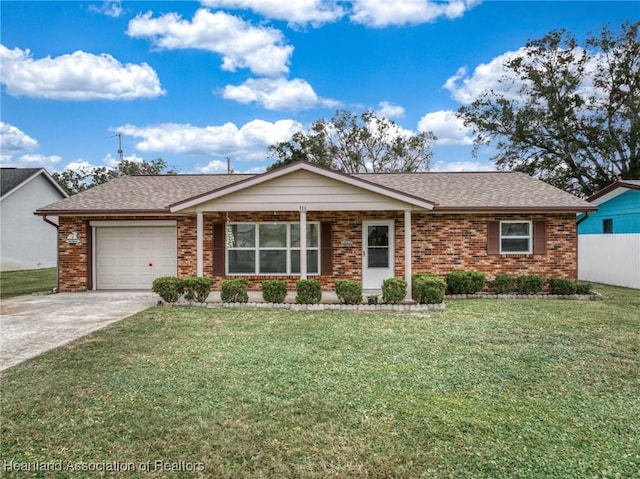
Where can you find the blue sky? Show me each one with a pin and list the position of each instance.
(197, 82)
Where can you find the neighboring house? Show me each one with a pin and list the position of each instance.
(609, 239)
(26, 241)
(304, 221)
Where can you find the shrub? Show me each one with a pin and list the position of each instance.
(394, 290)
(583, 288)
(197, 288)
(562, 286)
(529, 284)
(349, 291)
(503, 283)
(274, 290)
(308, 291)
(465, 282)
(169, 288)
(234, 291)
(428, 289)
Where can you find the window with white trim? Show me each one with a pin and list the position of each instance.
(271, 248)
(516, 237)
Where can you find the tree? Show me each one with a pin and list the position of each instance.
(81, 179)
(575, 120)
(355, 144)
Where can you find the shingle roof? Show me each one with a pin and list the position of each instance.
(10, 178)
(449, 191)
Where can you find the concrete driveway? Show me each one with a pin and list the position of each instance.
(31, 325)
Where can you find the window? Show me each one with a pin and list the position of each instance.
(607, 226)
(515, 237)
(271, 248)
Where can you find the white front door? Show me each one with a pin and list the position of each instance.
(377, 253)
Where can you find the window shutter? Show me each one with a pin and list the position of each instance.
(493, 237)
(326, 249)
(539, 237)
(218, 249)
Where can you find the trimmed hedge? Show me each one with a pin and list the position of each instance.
(394, 290)
(274, 290)
(234, 291)
(583, 288)
(169, 288)
(562, 286)
(427, 289)
(530, 284)
(503, 284)
(196, 288)
(349, 291)
(308, 291)
(465, 282)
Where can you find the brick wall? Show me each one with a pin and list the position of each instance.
(441, 243)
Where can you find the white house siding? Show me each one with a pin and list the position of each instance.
(26, 241)
(610, 259)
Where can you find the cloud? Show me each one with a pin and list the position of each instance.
(78, 76)
(109, 8)
(260, 49)
(13, 140)
(389, 110)
(299, 12)
(448, 128)
(246, 143)
(443, 165)
(277, 94)
(383, 13)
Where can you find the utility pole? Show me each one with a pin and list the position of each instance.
(120, 152)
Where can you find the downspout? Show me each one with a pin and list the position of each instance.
(580, 220)
(57, 227)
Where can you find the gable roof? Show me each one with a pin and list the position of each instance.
(613, 190)
(12, 179)
(446, 192)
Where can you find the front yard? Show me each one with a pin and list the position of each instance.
(484, 389)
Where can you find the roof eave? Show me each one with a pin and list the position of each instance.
(111, 212)
(513, 209)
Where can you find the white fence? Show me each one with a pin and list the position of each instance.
(610, 259)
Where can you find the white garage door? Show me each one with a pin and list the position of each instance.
(132, 257)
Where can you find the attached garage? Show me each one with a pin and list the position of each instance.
(130, 255)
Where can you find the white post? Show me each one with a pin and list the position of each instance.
(199, 244)
(407, 252)
(303, 242)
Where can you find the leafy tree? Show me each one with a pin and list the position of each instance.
(81, 179)
(574, 117)
(357, 144)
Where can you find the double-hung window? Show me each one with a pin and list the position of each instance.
(271, 248)
(515, 237)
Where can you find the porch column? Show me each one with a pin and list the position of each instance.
(407, 252)
(303, 242)
(199, 244)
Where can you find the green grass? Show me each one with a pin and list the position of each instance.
(484, 389)
(17, 283)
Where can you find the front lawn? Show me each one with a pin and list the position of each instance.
(17, 283)
(484, 389)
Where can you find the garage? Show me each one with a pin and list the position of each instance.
(131, 255)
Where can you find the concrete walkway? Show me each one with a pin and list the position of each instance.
(31, 325)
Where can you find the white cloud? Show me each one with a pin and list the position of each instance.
(78, 76)
(389, 110)
(36, 160)
(383, 13)
(440, 166)
(109, 8)
(277, 94)
(299, 12)
(111, 161)
(448, 128)
(13, 140)
(260, 49)
(247, 143)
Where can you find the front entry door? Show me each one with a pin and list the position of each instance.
(377, 253)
